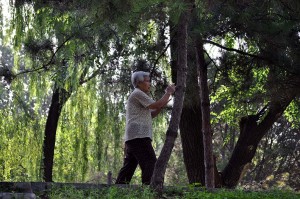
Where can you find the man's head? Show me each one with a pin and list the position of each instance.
(141, 80)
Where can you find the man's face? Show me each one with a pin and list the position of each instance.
(145, 85)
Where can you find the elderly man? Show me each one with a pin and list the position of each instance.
(140, 110)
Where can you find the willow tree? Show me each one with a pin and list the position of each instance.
(69, 44)
(72, 44)
(63, 60)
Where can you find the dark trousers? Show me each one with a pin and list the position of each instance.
(137, 152)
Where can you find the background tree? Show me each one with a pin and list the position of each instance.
(71, 67)
(87, 52)
(233, 29)
(171, 135)
(276, 105)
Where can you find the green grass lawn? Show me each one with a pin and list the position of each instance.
(169, 193)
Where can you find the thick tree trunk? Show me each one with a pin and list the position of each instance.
(205, 108)
(251, 132)
(190, 122)
(192, 143)
(59, 98)
(191, 125)
(161, 164)
(191, 118)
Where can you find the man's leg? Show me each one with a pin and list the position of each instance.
(146, 157)
(129, 166)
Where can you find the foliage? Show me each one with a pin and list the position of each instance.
(187, 193)
(241, 194)
(279, 152)
(87, 51)
(292, 113)
(69, 192)
(89, 48)
(230, 103)
(238, 90)
(255, 69)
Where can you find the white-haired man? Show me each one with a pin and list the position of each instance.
(140, 110)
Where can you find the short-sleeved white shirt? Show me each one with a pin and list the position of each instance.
(138, 116)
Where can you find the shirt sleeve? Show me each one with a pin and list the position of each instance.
(143, 98)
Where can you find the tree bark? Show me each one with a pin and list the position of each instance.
(190, 122)
(251, 133)
(59, 98)
(192, 144)
(161, 164)
(205, 108)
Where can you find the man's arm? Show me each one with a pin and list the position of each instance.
(161, 102)
(164, 100)
(155, 112)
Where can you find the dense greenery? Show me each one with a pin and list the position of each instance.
(186, 193)
(87, 49)
(92, 62)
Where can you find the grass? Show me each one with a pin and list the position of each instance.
(68, 192)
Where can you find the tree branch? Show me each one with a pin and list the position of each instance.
(158, 58)
(45, 66)
(161, 54)
(100, 70)
(235, 50)
(97, 72)
(218, 69)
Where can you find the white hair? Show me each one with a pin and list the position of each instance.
(137, 77)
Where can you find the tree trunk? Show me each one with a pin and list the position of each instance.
(191, 119)
(190, 122)
(251, 133)
(205, 108)
(192, 144)
(161, 164)
(59, 97)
